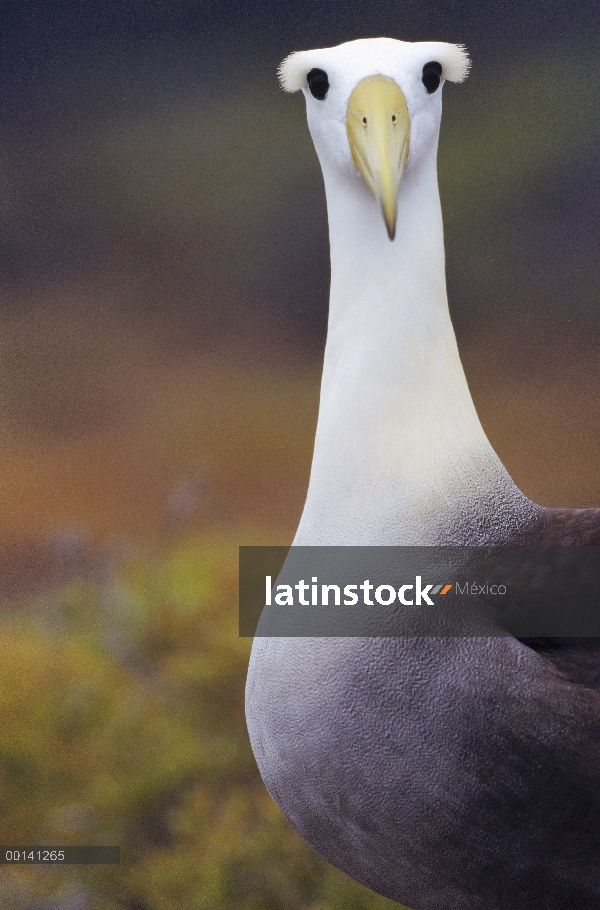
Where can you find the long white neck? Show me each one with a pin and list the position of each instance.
(400, 456)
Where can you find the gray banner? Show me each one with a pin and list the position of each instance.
(527, 592)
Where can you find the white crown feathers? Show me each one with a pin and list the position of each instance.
(453, 58)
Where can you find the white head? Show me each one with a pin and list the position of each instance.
(374, 107)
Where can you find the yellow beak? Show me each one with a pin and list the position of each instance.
(378, 127)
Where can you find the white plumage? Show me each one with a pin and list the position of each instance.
(399, 448)
(380, 56)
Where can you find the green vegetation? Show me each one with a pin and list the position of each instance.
(121, 706)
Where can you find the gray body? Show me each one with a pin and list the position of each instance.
(446, 774)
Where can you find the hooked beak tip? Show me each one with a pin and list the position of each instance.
(389, 216)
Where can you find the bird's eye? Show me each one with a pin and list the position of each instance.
(432, 76)
(318, 84)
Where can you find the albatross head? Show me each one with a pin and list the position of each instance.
(374, 108)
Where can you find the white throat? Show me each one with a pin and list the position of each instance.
(400, 456)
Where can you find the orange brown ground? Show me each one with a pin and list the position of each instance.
(111, 434)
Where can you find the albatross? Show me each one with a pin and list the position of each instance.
(443, 773)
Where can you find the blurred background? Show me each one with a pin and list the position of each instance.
(163, 306)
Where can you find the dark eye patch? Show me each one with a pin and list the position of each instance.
(432, 76)
(318, 84)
